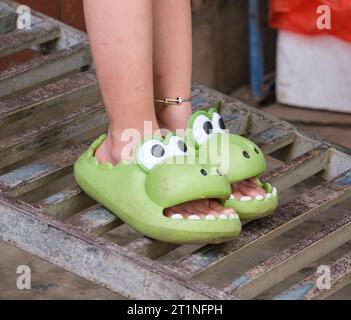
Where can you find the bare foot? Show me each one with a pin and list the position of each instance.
(247, 188)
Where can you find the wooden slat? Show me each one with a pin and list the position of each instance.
(95, 259)
(48, 96)
(38, 173)
(260, 231)
(44, 68)
(64, 203)
(274, 139)
(8, 20)
(150, 248)
(18, 40)
(307, 289)
(96, 221)
(55, 131)
(291, 260)
(298, 169)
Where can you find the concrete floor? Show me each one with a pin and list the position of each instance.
(51, 282)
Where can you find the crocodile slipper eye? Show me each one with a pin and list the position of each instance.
(151, 153)
(256, 150)
(202, 129)
(218, 123)
(177, 147)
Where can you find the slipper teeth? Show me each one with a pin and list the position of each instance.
(269, 196)
(210, 217)
(233, 216)
(275, 191)
(231, 197)
(223, 217)
(194, 217)
(245, 199)
(177, 216)
(259, 198)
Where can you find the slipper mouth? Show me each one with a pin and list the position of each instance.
(251, 198)
(201, 217)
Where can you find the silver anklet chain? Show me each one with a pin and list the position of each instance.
(169, 101)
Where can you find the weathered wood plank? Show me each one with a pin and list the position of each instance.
(274, 139)
(291, 260)
(18, 40)
(8, 20)
(95, 221)
(96, 259)
(288, 216)
(38, 173)
(65, 203)
(48, 96)
(307, 289)
(298, 169)
(150, 248)
(44, 68)
(31, 141)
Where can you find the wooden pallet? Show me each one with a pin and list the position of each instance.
(50, 110)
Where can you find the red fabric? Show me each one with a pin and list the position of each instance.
(301, 16)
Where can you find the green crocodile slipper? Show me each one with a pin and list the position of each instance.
(238, 158)
(160, 177)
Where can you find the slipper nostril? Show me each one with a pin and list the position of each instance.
(219, 172)
(246, 155)
(203, 172)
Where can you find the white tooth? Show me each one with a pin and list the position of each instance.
(232, 197)
(177, 216)
(194, 217)
(245, 199)
(223, 217)
(275, 191)
(233, 216)
(259, 198)
(210, 217)
(269, 196)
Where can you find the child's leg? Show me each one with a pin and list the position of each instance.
(172, 60)
(121, 36)
(120, 33)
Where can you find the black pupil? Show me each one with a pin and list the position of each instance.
(256, 150)
(208, 127)
(246, 155)
(221, 123)
(158, 151)
(203, 172)
(182, 146)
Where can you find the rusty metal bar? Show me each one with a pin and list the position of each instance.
(307, 289)
(18, 40)
(42, 69)
(257, 232)
(291, 260)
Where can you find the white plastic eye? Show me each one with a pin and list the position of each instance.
(151, 153)
(202, 129)
(218, 123)
(177, 147)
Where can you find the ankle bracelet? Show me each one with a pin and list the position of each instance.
(176, 101)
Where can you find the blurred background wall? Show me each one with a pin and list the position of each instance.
(220, 36)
